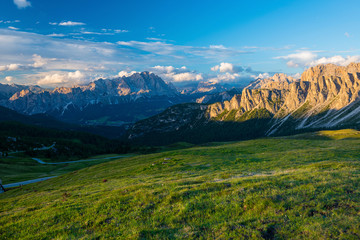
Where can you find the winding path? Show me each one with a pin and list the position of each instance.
(26, 182)
(77, 161)
(46, 178)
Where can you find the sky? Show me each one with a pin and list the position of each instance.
(68, 42)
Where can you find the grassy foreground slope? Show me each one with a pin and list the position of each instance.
(303, 187)
(22, 168)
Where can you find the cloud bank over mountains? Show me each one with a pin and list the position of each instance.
(302, 59)
(55, 60)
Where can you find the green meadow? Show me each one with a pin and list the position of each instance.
(19, 167)
(300, 187)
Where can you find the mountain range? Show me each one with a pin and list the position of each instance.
(326, 96)
(113, 102)
(156, 112)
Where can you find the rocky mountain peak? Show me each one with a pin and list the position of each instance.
(277, 81)
(326, 96)
(316, 73)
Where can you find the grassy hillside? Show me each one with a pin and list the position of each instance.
(300, 187)
(16, 136)
(20, 167)
(46, 121)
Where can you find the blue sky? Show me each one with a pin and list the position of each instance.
(63, 42)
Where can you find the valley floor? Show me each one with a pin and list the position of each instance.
(299, 187)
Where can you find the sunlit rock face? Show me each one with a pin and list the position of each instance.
(326, 96)
(106, 91)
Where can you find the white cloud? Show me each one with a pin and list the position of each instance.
(217, 46)
(10, 67)
(67, 23)
(121, 31)
(18, 47)
(9, 78)
(261, 76)
(126, 73)
(9, 21)
(56, 35)
(309, 59)
(172, 74)
(225, 77)
(347, 34)
(188, 76)
(13, 28)
(227, 67)
(70, 23)
(338, 60)
(61, 78)
(102, 58)
(39, 61)
(299, 59)
(168, 49)
(13, 67)
(22, 3)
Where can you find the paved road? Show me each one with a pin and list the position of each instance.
(85, 160)
(26, 182)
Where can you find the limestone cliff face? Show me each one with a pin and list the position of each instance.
(278, 81)
(330, 82)
(325, 96)
(249, 99)
(322, 90)
(109, 91)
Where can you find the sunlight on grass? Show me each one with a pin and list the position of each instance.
(340, 134)
(273, 188)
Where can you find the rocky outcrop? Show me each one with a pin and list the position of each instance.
(175, 118)
(105, 91)
(8, 90)
(321, 89)
(202, 87)
(278, 81)
(326, 96)
(218, 97)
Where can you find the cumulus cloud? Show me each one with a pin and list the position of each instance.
(261, 76)
(310, 59)
(38, 62)
(173, 74)
(103, 58)
(61, 78)
(299, 59)
(225, 77)
(338, 60)
(22, 3)
(10, 67)
(227, 67)
(126, 73)
(9, 79)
